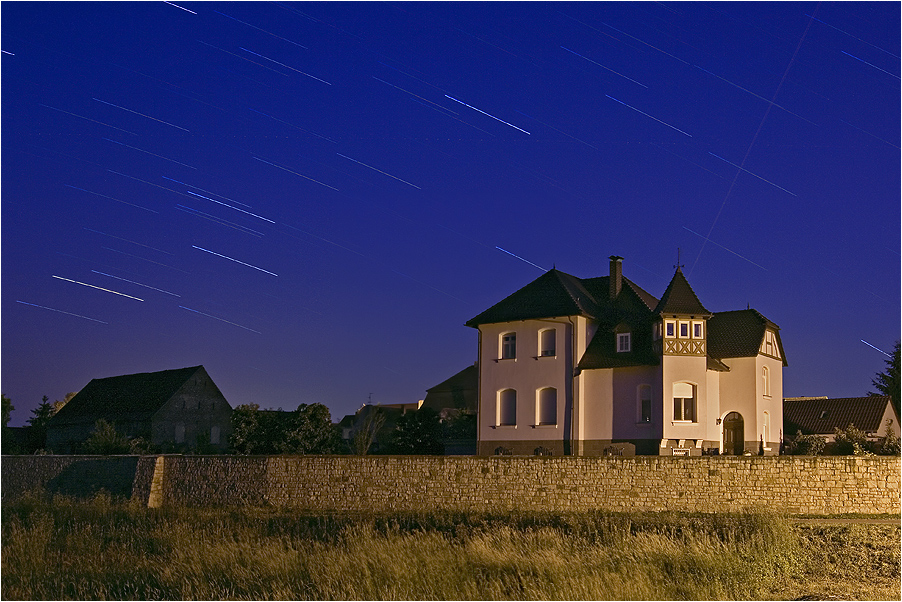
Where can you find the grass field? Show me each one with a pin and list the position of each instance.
(101, 549)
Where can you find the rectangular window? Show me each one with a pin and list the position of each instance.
(644, 403)
(684, 330)
(623, 342)
(697, 332)
(509, 346)
(683, 402)
(214, 435)
(670, 329)
(547, 341)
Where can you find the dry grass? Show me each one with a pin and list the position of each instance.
(63, 549)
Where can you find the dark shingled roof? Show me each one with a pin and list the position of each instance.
(822, 416)
(739, 334)
(133, 395)
(679, 298)
(557, 293)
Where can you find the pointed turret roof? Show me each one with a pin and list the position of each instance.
(679, 298)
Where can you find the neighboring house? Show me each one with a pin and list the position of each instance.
(873, 414)
(599, 366)
(455, 395)
(455, 401)
(172, 408)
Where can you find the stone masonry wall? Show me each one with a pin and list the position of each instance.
(792, 484)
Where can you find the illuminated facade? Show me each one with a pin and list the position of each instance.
(598, 366)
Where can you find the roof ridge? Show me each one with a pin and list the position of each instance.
(567, 288)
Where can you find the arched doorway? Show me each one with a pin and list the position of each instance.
(733, 434)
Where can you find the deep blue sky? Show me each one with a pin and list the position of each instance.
(365, 162)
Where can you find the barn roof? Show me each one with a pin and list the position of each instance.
(132, 395)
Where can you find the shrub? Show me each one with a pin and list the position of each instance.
(105, 440)
(851, 441)
(890, 446)
(808, 445)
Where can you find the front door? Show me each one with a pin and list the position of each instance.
(733, 434)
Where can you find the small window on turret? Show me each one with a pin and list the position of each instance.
(697, 330)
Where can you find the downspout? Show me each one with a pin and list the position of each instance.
(479, 411)
(573, 388)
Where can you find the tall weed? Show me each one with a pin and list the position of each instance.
(106, 549)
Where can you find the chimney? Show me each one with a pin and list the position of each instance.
(616, 278)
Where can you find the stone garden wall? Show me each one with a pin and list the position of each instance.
(793, 484)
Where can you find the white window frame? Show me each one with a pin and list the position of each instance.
(683, 324)
(698, 325)
(541, 411)
(507, 346)
(679, 389)
(765, 378)
(624, 342)
(543, 348)
(766, 429)
(670, 329)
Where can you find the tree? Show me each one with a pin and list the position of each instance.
(58, 405)
(891, 445)
(7, 409)
(245, 437)
(309, 430)
(365, 435)
(418, 432)
(42, 414)
(887, 382)
(105, 440)
(850, 441)
(37, 426)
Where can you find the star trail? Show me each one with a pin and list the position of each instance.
(328, 191)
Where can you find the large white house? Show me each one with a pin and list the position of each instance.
(595, 366)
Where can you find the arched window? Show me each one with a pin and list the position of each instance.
(546, 410)
(179, 432)
(547, 343)
(214, 435)
(643, 403)
(766, 429)
(684, 402)
(765, 381)
(506, 414)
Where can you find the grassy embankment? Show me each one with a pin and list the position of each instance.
(107, 550)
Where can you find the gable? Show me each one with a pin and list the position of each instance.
(742, 334)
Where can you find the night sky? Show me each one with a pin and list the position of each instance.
(311, 199)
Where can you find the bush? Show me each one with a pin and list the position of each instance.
(808, 445)
(851, 441)
(890, 446)
(105, 440)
